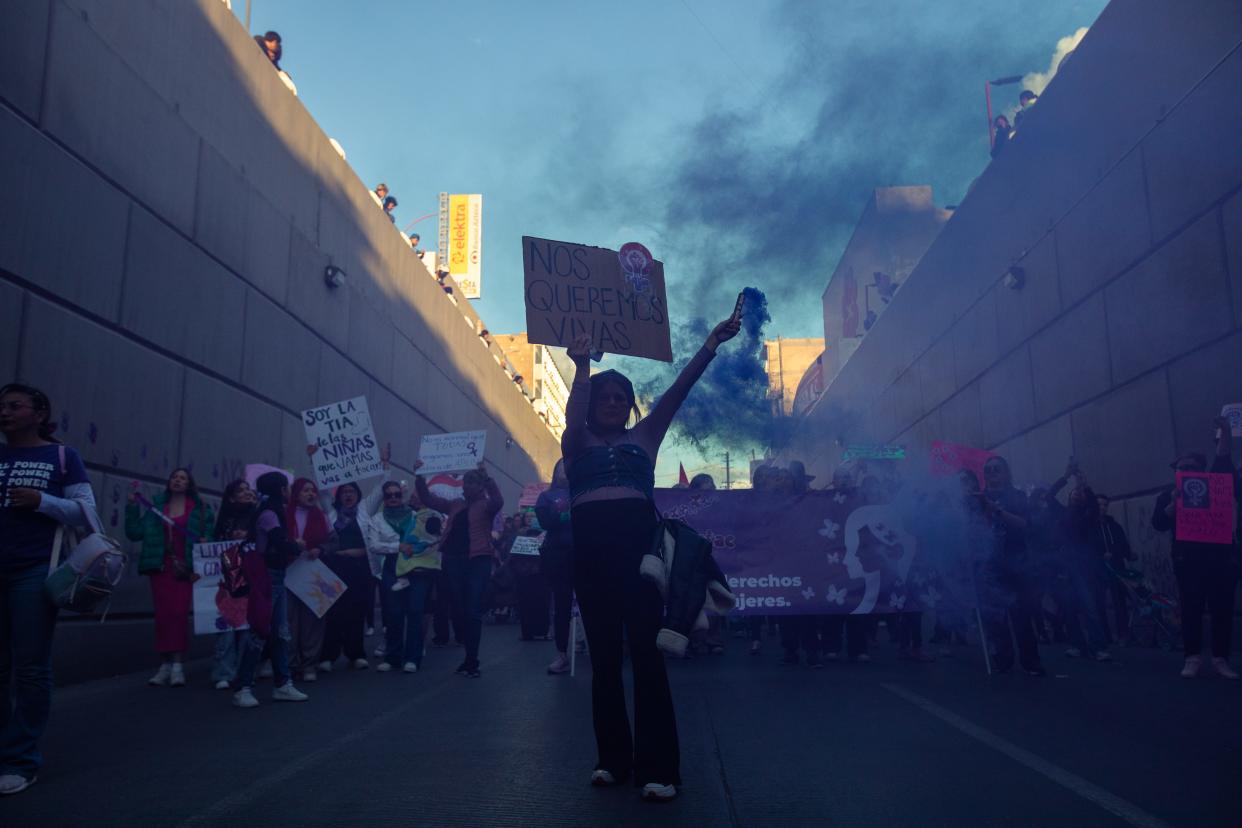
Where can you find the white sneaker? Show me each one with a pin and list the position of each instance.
(863, 658)
(559, 666)
(325, 666)
(400, 584)
(1223, 669)
(602, 778)
(410, 667)
(383, 667)
(160, 679)
(655, 792)
(381, 651)
(361, 664)
(1103, 655)
(222, 685)
(287, 692)
(265, 670)
(176, 678)
(309, 675)
(1191, 668)
(1073, 652)
(11, 783)
(245, 698)
(370, 631)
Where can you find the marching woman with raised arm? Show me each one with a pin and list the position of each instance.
(43, 486)
(612, 480)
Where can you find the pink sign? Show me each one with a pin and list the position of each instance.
(950, 458)
(1204, 507)
(530, 494)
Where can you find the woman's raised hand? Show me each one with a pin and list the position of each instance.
(580, 349)
(723, 332)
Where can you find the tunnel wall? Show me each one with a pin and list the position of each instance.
(1120, 201)
(168, 208)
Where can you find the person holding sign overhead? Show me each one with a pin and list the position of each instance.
(467, 551)
(1205, 572)
(611, 469)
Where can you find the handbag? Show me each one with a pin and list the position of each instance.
(90, 572)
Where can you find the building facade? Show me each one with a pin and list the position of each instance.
(539, 372)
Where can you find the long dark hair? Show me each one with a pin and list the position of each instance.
(191, 490)
(598, 381)
(40, 403)
(270, 487)
(232, 515)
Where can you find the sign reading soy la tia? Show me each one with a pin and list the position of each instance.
(616, 297)
(348, 450)
(457, 451)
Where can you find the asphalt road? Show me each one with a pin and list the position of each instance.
(884, 744)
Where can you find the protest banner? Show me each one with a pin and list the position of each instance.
(314, 584)
(523, 545)
(1205, 507)
(818, 553)
(530, 494)
(348, 450)
(1233, 412)
(876, 452)
(950, 458)
(617, 298)
(456, 451)
(215, 610)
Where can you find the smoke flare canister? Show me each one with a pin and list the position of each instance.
(737, 309)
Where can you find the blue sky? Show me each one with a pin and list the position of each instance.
(738, 141)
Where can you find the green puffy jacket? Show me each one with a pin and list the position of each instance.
(151, 531)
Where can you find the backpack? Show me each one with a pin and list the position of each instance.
(90, 571)
(232, 576)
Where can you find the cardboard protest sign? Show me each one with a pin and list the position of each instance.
(1204, 507)
(215, 610)
(348, 450)
(530, 494)
(314, 584)
(950, 458)
(1234, 412)
(524, 545)
(456, 451)
(615, 297)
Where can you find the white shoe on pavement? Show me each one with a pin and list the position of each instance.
(265, 670)
(1222, 668)
(245, 698)
(560, 666)
(176, 678)
(410, 667)
(655, 792)
(1103, 655)
(601, 778)
(1073, 652)
(11, 783)
(361, 664)
(381, 651)
(160, 679)
(309, 675)
(1191, 667)
(325, 666)
(383, 667)
(222, 685)
(287, 692)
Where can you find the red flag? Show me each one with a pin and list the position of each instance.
(682, 480)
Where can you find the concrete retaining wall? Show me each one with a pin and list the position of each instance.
(167, 208)
(1120, 200)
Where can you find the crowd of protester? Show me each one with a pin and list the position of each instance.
(1002, 130)
(1051, 565)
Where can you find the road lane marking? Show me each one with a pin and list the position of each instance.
(1112, 803)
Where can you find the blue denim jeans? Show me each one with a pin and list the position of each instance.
(279, 641)
(230, 645)
(27, 620)
(403, 639)
(468, 579)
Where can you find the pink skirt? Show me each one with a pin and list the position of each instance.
(172, 600)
